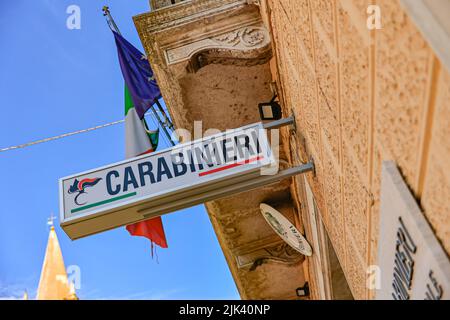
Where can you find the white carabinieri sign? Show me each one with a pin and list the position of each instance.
(161, 182)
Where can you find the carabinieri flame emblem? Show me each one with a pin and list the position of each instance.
(80, 187)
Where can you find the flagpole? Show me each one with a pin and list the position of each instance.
(112, 24)
(109, 19)
(155, 224)
(166, 119)
(158, 118)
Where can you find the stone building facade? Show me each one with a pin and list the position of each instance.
(360, 96)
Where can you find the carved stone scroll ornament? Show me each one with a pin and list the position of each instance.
(248, 36)
(281, 253)
(249, 45)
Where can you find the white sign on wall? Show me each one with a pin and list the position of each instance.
(285, 229)
(413, 265)
(150, 185)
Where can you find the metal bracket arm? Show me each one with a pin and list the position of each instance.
(226, 191)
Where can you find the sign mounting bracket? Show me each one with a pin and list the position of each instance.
(229, 190)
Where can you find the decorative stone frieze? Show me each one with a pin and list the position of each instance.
(245, 46)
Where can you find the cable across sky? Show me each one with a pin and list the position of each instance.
(65, 135)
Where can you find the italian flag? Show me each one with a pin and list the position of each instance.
(140, 140)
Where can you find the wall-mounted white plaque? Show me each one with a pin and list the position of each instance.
(285, 229)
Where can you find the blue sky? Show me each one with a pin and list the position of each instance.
(54, 80)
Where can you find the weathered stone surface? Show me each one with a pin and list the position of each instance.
(334, 219)
(158, 4)
(298, 15)
(402, 79)
(330, 135)
(301, 78)
(375, 206)
(355, 82)
(436, 193)
(232, 98)
(355, 270)
(355, 204)
(272, 283)
(242, 221)
(323, 11)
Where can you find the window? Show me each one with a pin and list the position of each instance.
(325, 268)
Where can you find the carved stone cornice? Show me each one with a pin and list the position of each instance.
(185, 11)
(240, 43)
(227, 31)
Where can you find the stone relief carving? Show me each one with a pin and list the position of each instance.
(249, 36)
(237, 44)
(280, 253)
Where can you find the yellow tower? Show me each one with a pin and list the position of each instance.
(54, 284)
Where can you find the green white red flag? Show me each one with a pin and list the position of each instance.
(141, 91)
(140, 140)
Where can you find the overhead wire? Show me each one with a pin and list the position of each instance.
(65, 135)
(156, 120)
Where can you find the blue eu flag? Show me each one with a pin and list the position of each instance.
(138, 75)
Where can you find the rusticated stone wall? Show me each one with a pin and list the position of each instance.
(361, 97)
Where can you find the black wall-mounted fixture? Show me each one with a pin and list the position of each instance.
(303, 291)
(270, 110)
